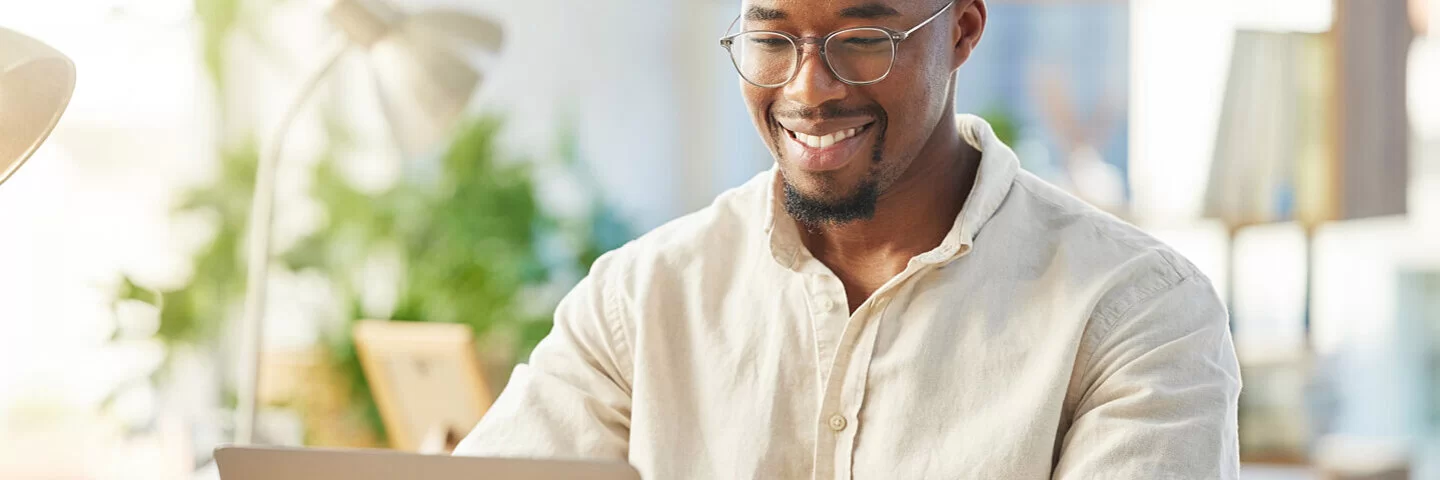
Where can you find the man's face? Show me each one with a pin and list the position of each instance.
(874, 131)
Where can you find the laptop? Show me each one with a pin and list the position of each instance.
(270, 463)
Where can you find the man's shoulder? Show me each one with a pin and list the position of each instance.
(1131, 264)
(725, 229)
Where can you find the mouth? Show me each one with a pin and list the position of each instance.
(825, 149)
(827, 140)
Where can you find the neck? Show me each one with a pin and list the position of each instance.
(912, 215)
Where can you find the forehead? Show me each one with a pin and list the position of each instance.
(798, 11)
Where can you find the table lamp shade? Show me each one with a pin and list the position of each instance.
(35, 86)
(1314, 126)
(425, 64)
(1273, 157)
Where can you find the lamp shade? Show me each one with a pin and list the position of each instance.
(425, 64)
(35, 86)
(1314, 126)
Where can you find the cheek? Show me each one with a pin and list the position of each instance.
(758, 102)
(913, 106)
(917, 98)
(907, 111)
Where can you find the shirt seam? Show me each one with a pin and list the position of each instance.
(611, 313)
(1107, 320)
(1145, 296)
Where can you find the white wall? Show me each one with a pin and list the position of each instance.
(653, 93)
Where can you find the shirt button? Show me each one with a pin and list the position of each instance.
(827, 304)
(837, 422)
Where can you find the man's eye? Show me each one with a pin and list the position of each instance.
(770, 42)
(865, 42)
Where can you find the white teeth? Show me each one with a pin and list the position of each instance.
(823, 141)
(810, 140)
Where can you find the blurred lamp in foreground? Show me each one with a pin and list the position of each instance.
(35, 86)
(426, 70)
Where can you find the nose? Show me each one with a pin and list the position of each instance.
(814, 84)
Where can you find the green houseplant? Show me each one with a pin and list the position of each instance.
(474, 243)
(476, 247)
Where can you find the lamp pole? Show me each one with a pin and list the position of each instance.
(433, 70)
(258, 254)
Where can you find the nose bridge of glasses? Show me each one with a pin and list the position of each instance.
(817, 54)
(813, 73)
(802, 42)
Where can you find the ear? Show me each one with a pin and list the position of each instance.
(969, 26)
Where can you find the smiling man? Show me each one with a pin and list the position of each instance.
(895, 299)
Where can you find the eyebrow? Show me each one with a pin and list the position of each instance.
(760, 14)
(870, 10)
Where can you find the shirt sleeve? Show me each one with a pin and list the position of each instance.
(1163, 386)
(573, 398)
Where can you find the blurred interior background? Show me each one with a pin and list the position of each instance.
(1290, 148)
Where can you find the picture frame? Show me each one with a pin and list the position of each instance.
(427, 381)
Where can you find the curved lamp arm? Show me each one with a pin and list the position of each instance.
(425, 83)
(258, 254)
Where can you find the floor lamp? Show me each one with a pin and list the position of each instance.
(426, 72)
(35, 86)
(1313, 128)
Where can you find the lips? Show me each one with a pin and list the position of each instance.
(831, 150)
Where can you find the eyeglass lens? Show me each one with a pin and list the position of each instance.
(859, 55)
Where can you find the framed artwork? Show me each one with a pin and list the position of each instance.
(427, 381)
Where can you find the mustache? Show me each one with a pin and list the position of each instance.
(827, 111)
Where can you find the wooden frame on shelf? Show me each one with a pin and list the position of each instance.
(426, 379)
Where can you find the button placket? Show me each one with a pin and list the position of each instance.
(828, 331)
(833, 439)
(844, 382)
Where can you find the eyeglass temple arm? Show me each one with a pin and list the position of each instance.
(906, 34)
(725, 40)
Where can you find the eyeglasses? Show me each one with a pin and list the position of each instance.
(857, 56)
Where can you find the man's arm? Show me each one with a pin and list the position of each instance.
(1163, 386)
(573, 399)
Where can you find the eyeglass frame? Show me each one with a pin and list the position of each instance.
(896, 36)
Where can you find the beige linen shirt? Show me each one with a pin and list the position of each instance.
(1041, 339)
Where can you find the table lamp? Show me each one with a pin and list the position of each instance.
(35, 86)
(426, 75)
(1314, 127)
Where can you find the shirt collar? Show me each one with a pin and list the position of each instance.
(998, 168)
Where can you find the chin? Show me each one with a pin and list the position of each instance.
(826, 202)
(822, 186)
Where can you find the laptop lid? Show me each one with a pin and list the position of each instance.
(274, 463)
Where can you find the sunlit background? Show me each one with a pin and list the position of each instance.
(1290, 148)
